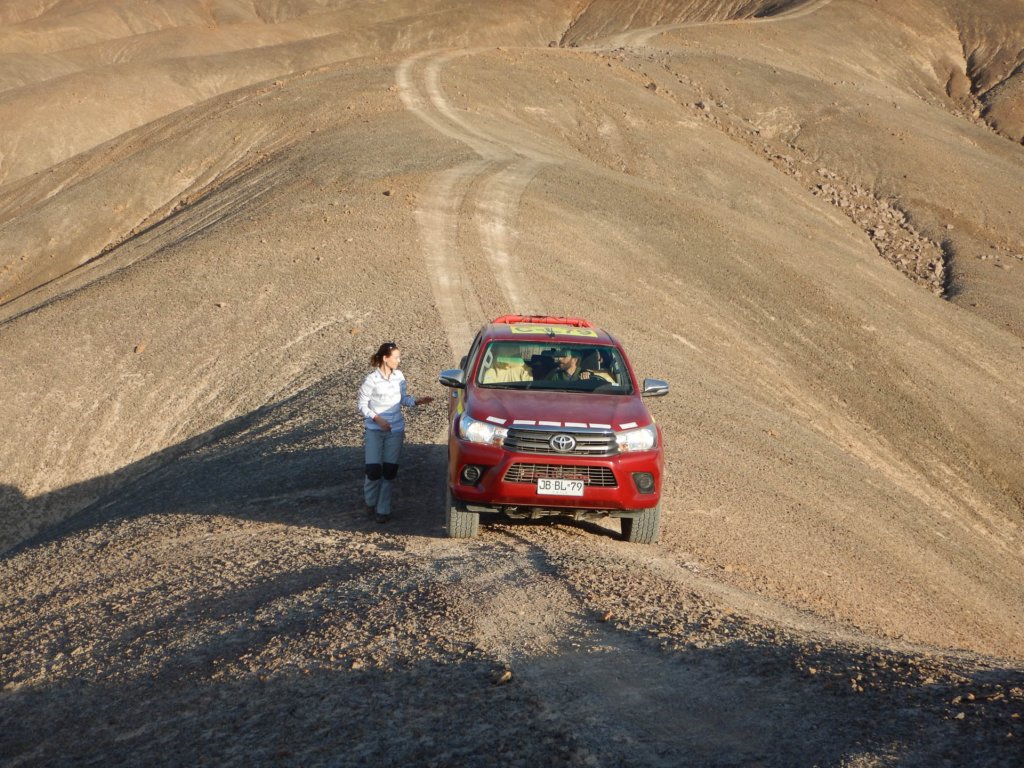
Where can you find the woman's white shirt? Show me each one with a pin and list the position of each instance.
(384, 396)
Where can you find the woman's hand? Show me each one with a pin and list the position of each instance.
(384, 424)
(424, 400)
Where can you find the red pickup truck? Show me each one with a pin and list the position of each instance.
(546, 418)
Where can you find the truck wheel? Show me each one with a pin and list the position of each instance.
(644, 528)
(461, 524)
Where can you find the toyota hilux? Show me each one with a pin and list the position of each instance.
(546, 418)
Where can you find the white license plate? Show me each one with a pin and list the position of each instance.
(551, 486)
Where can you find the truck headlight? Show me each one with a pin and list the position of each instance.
(481, 431)
(643, 439)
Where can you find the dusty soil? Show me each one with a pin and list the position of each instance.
(804, 215)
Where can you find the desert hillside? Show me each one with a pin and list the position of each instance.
(805, 215)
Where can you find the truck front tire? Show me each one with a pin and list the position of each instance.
(461, 524)
(645, 528)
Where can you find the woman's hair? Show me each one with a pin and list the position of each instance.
(385, 349)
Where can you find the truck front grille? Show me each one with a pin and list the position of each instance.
(588, 443)
(521, 472)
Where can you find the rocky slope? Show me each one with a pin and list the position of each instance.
(804, 215)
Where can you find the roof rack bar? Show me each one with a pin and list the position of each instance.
(576, 322)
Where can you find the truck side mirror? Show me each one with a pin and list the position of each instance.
(453, 377)
(654, 388)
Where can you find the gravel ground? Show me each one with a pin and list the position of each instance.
(205, 622)
(198, 259)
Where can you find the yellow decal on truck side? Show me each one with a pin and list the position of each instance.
(556, 330)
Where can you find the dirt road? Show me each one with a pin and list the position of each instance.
(186, 574)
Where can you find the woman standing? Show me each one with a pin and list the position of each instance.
(380, 402)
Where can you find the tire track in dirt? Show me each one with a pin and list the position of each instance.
(594, 682)
(481, 194)
(525, 592)
(525, 612)
(484, 191)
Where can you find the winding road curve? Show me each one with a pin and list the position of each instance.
(484, 191)
(466, 219)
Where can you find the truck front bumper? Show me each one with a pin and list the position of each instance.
(618, 485)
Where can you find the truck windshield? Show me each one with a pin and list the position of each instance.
(571, 367)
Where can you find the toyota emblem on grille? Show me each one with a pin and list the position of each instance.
(562, 443)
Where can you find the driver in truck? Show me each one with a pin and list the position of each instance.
(571, 365)
(567, 366)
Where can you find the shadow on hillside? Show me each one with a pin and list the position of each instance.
(734, 705)
(219, 680)
(274, 463)
(270, 464)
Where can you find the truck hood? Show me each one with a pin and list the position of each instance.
(506, 407)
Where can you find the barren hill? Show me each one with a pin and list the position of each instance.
(804, 215)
